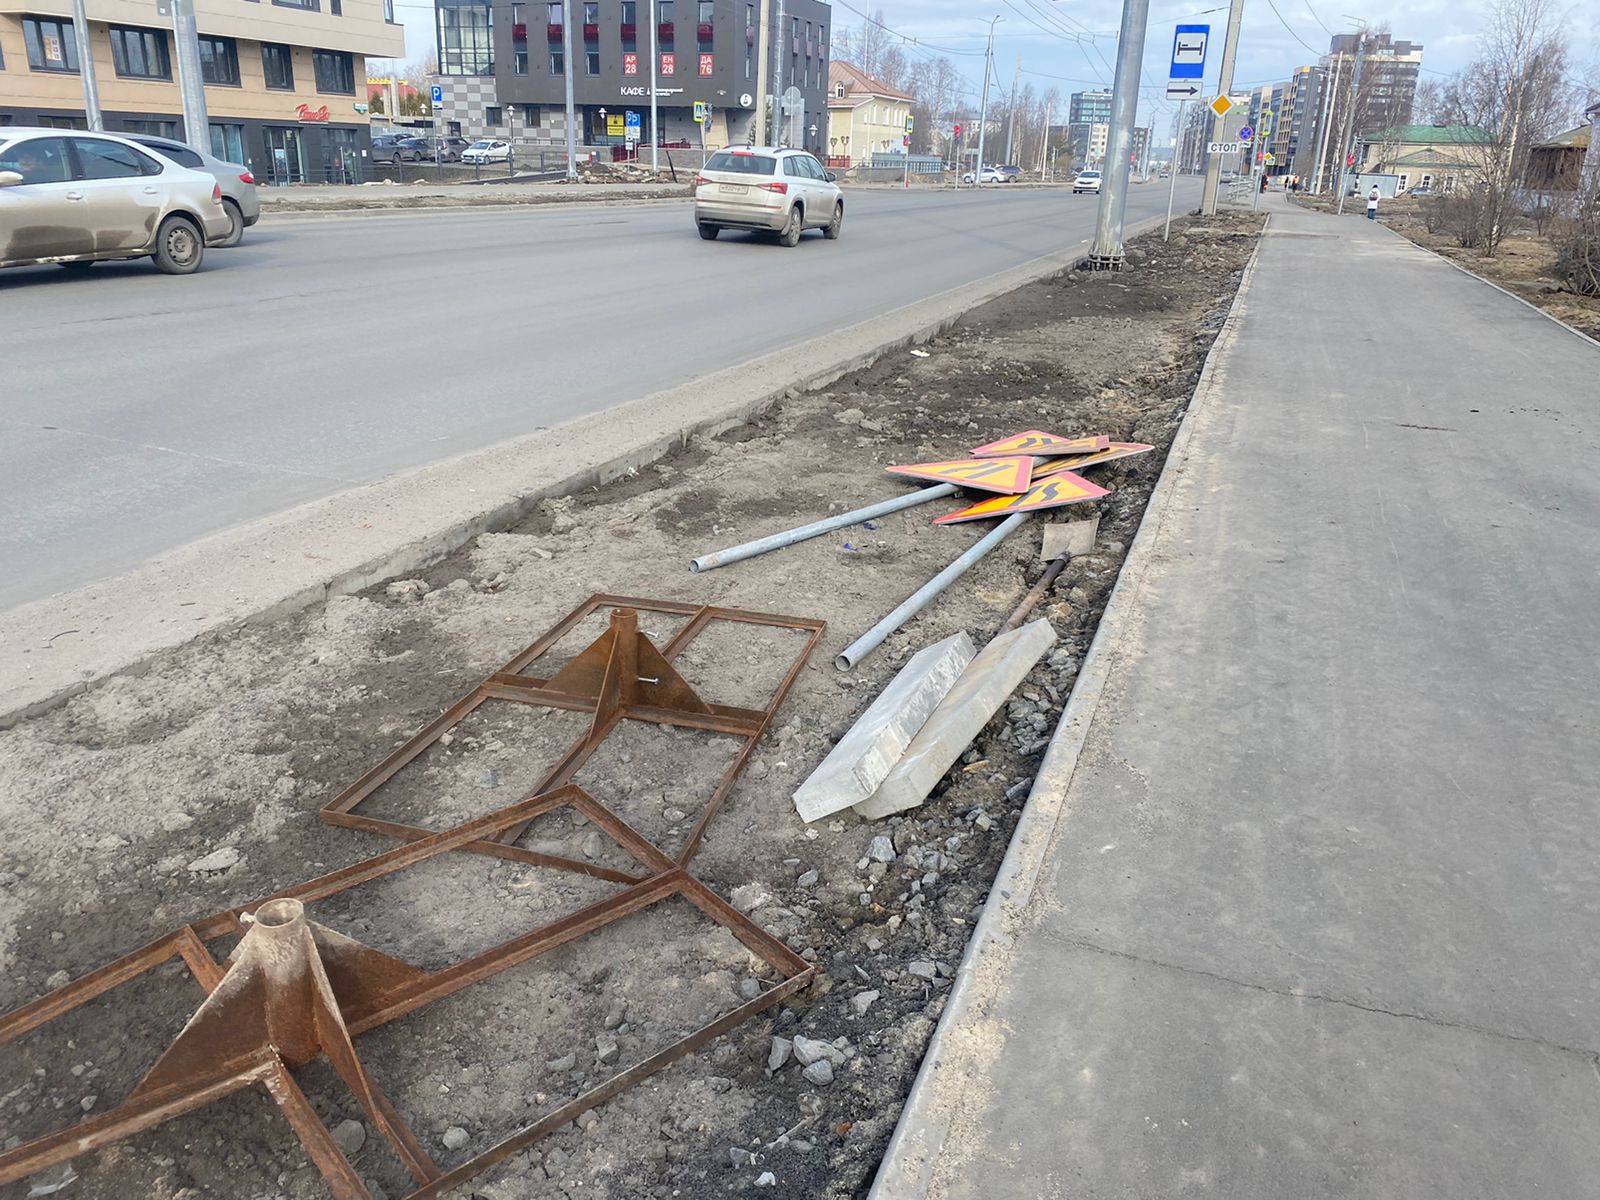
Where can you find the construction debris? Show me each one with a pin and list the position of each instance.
(862, 758)
(983, 687)
(1068, 537)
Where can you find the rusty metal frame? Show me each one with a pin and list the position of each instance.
(252, 1030)
(605, 679)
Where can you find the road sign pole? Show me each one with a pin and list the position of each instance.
(1172, 175)
(1106, 253)
(1230, 49)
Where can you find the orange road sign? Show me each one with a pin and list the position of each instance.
(1008, 475)
(1051, 492)
(1035, 441)
(1112, 452)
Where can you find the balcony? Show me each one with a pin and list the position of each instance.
(703, 31)
(591, 33)
(630, 32)
(519, 33)
(664, 31)
(553, 32)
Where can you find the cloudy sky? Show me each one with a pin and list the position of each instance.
(1071, 44)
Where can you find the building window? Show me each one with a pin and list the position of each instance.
(166, 129)
(591, 62)
(308, 5)
(466, 39)
(519, 62)
(591, 14)
(491, 116)
(277, 64)
(558, 65)
(388, 11)
(51, 44)
(665, 33)
(227, 142)
(219, 61)
(335, 71)
(556, 15)
(336, 8)
(140, 53)
(455, 128)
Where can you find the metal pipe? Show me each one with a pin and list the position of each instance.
(923, 596)
(777, 541)
(1037, 592)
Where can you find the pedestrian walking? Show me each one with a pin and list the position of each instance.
(1372, 203)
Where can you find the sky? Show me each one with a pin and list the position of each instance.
(1071, 45)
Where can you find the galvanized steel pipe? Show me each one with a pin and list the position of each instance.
(920, 599)
(721, 558)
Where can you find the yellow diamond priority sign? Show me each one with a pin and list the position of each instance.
(1221, 105)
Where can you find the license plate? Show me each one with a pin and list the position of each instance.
(732, 189)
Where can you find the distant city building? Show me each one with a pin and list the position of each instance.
(1380, 96)
(503, 71)
(1090, 108)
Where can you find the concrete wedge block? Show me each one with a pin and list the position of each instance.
(868, 752)
(983, 687)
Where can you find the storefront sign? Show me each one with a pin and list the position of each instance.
(614, 125)
(705, 64)
(310, 116)
(630, 64)
(644, 91)
(669, 64)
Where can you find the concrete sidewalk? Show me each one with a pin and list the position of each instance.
(1314, 911)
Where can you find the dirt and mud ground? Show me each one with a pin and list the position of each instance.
(111, 803)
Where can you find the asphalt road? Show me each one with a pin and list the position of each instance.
(141, 412)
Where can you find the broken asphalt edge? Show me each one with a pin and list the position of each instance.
(939, 1097)
(61, 646)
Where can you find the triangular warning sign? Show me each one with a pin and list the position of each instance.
(1007, 475)
(1050, 492)
(1035, 441)
(1078, 462)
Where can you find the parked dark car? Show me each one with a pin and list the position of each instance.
(450, 148)
(391, 149)
(420, 146)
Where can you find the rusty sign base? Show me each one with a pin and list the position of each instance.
(293, 990)
(621, 676)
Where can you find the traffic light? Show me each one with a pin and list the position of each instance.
(958, 131)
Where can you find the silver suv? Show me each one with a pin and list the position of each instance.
(78, 198)
(766, 188)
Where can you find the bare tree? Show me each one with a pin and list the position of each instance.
(1516, 93)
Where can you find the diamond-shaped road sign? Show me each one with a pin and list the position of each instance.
(1221, 105)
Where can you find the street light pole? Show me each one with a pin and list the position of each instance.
(983, 110)
(1230, 50)
(1106, 253)
(655, 137)
(1348, 131)
(572, 114)
(1327, 118)
(91, 90)
(191, 88)
(1172, 175)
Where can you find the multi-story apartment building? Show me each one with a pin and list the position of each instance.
(1294, 139)
(285, 80)
(1379, 96)
(1090, 108)
(504, 72)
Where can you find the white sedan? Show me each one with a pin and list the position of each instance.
(1087, 181)
(486, 150)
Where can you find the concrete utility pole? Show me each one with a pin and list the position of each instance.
(1044, 139)
(1327, 120)
(1230, 51)
(1346, 145)
(983, 109)
(655, 135)
(778, 129)
(568, 66)
(1106, 253)
(1011, 125)
(91, 90)
(191, 85)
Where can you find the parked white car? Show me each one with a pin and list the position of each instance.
(1087, 181)
(75, 199)
(779, 191)
(486, 150)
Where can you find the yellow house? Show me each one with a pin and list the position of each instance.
(865, 116)
(285, 80)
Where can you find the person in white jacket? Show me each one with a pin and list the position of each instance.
(1372, 203)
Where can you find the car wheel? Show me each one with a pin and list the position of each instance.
(832, 228)
(709, 232)
(179, 246)
(235, 224)
(792, 227)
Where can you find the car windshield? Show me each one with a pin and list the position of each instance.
(742, 162)
(1091, 174)
(480, 145)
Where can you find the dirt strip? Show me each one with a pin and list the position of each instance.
(195, 786)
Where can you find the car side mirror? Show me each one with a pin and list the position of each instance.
(10, 179)
(832, 178)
